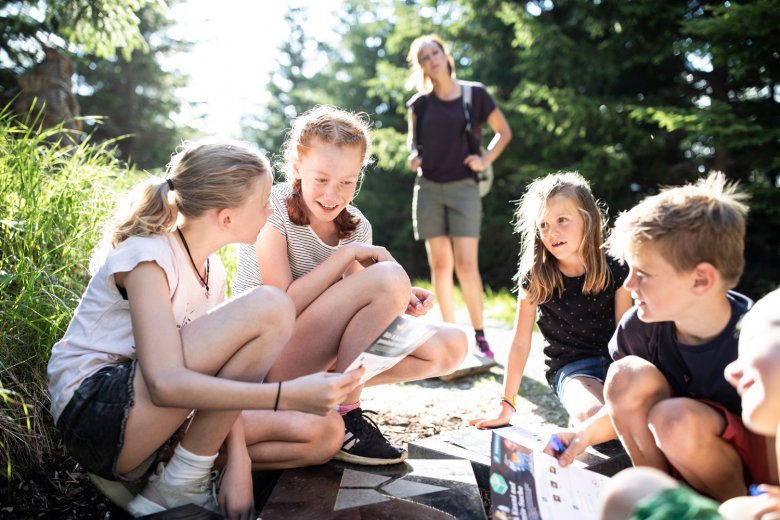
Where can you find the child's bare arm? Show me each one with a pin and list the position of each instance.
(525, 318)
(274, 263)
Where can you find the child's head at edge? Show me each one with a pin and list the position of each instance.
(329, 125)
(538, 267)
(205, 174)
(756, 372)
(687, 225)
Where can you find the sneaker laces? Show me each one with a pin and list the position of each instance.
(366, 425)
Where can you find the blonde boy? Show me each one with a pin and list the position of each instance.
(665, 395)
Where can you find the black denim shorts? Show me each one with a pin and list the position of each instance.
(93, 423)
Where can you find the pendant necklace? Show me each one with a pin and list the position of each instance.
(205, 281)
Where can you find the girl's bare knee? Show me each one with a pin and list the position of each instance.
(456, 347)
(268, 305)
(326, 438)
(578, 416)
(388, 280)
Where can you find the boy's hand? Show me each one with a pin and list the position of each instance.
(574, 444)
(420, 302)
(319, 393)
(761, 507)
(501, 419)
(767, 505)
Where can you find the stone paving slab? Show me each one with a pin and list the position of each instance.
(420, 489)
(474, 445)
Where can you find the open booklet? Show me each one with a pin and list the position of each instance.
(397, 341)
(528, 484)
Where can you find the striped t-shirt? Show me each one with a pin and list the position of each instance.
(305, 250)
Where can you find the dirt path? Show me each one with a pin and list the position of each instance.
(411, 411)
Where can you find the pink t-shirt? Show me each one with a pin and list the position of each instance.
(101, 332)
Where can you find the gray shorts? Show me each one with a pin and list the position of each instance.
(92, 425)
(451, 209)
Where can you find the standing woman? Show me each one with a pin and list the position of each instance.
(447, 209)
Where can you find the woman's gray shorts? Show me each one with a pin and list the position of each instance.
(451, 209)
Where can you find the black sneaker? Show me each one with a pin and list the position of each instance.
(364, 443)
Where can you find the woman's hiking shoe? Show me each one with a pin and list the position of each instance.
(158, 495)
(364, 443)
(484, 346)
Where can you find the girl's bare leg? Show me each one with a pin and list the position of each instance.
(279, 440)
(343, 321)
(238, 340)
(582, 398)
(440, 355)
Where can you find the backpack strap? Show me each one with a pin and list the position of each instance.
(465, 89)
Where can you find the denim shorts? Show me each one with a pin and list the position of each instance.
(452, 209)
(594, 367)
(93, 423)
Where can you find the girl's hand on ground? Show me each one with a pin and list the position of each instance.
(420, 302)
(319, 393)
(502, 419)
(575, 444)
(236, 494)
(475, 162)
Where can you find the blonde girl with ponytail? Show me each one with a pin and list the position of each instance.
(154, 356)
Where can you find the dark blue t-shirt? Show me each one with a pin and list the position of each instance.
(444, 141)
(694, 371)
(576, 325)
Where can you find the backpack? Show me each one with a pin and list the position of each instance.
(484, 177)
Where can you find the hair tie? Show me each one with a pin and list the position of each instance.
(170, 183)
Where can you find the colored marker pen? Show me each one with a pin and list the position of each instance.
(557, 444)
(754, 491)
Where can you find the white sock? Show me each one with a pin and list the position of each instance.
(185, 466)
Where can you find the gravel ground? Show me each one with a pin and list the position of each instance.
(411, 411)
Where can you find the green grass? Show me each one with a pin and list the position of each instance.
(54, 196)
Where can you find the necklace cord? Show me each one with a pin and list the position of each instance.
(205, 281)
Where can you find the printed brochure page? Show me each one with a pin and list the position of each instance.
(397, 341)
(528, 484)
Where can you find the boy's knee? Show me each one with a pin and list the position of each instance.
(674, 427)
(631, 381)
